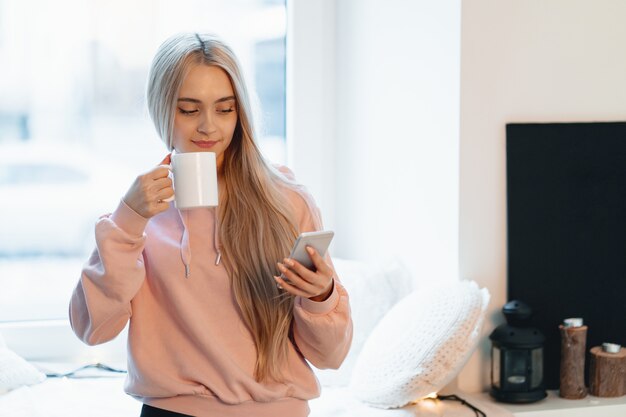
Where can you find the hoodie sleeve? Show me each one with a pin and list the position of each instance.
(322, 330)
(100, 304)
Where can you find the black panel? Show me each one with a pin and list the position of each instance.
(566, 196)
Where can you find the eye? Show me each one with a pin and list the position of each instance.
(227, 110)
(182, 111)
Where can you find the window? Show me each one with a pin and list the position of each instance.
(74, 129)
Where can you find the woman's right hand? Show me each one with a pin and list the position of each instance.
(148, 193)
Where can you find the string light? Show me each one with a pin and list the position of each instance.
(433, 400)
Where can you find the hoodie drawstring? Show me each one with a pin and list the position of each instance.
(185, 247)
(216, 239)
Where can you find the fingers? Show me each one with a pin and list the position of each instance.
(167, 160)
(161, 171)
(290, 288)
(162, 183)
(299, 280)
(318, 261)
(164, 195)
(151, 186)
(156, 187)
(161, 191)
(147, 194)
(296, 267)
(296, 280)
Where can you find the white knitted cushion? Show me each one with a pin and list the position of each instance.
(420, 345)
(373, 291)
(15, 371)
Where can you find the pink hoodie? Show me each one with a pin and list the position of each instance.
(189, 350)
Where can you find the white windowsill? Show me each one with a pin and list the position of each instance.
(555, 406)
(54, 341)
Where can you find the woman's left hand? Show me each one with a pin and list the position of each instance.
(316, 285)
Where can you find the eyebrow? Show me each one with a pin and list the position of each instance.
(195, 100)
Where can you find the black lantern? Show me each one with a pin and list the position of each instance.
(517, 357)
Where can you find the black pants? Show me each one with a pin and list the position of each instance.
(148, 411)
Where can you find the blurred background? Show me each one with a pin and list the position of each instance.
(74, 128)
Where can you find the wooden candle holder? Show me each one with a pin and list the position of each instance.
(607, 373)
(573, 348)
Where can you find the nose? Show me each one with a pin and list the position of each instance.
(206, 122)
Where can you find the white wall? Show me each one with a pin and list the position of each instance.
(524, 61)
(311, 99)
(396, 137)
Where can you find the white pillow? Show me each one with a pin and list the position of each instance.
(420, 345)
(15, 371)
(373, 290)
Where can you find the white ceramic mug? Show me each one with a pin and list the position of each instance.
(195, 179)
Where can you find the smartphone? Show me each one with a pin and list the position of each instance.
(319, 240)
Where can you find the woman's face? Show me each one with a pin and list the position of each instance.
(206, 113)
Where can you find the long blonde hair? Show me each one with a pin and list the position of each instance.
(257, 225)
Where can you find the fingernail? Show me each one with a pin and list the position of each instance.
(281, 266)
(277, 282)
(288, 262)
(310, 250)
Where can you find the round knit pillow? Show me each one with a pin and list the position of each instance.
(420, 345)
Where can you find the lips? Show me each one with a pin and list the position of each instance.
(205, 144)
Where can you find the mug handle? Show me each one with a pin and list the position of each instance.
(169, 199)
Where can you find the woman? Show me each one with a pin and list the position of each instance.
(214, 330)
